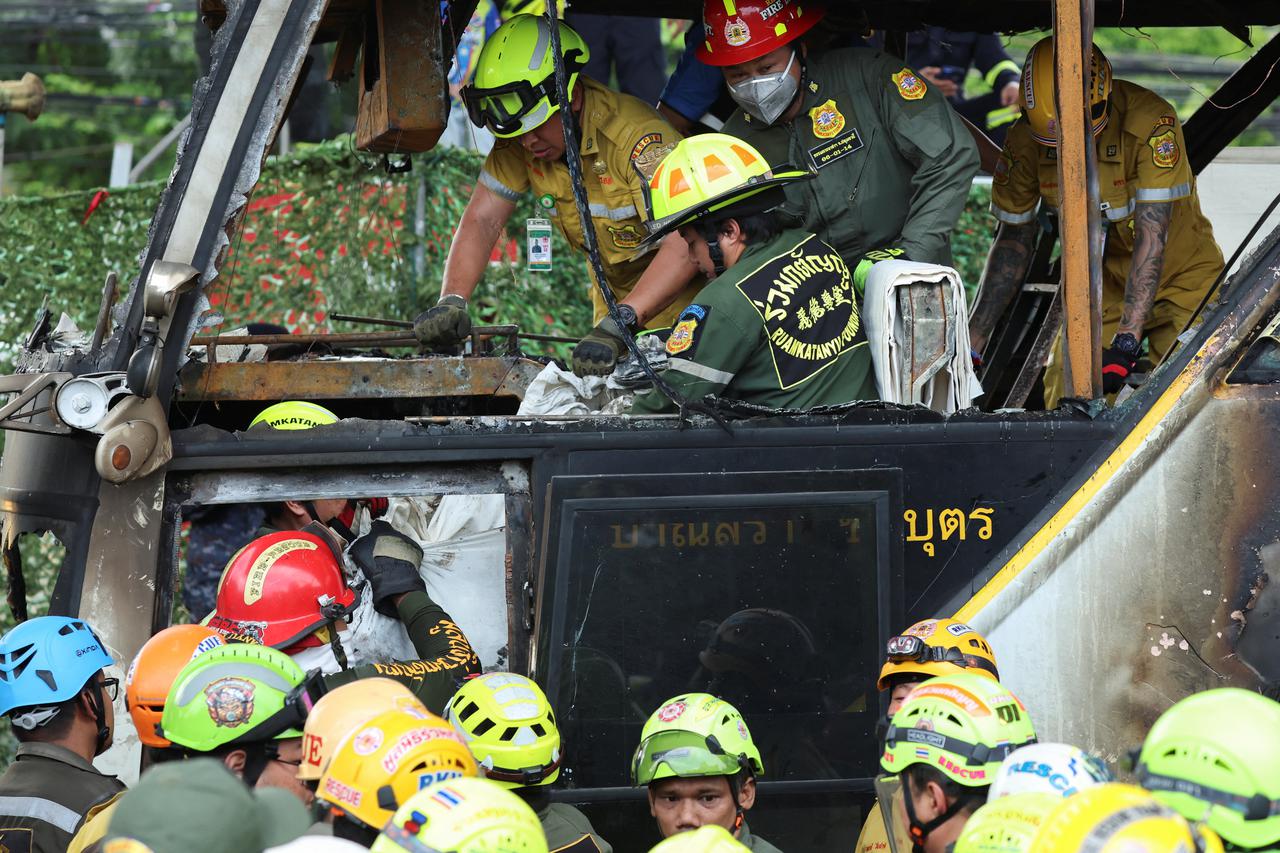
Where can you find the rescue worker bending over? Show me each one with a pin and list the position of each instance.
(508, 723)
(894, 161)
(1160, 257)
(1116, 816)
(779, 324)
(698, 760)
(943, 748)
(58, 701)
(463, 816)
(622, 140)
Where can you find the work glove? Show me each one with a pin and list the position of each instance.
(862, 268)
(599, 351)
(447, 324)
(390, 561)
(1116, 367)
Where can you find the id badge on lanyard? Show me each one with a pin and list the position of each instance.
(538, 236)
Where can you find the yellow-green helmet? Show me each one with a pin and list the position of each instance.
(514, 88)
(463, 815)
(294, 414)
(508, 723)
(691, 736)
(709, 838)
(962, 725)
(1215, 757)
(1006, 825)
(232, 694)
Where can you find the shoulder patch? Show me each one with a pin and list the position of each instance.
(1004, 167)
(686, 333)
(910, 86)
(16, 839)
(1163, 142)
(648, 152)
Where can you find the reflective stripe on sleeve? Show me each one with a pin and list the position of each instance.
(701, 371)
(614, 213)
(1172, 193)
(1011, 218)
(498, 187)
(998, 69)
(54, 814)
(1118, 214)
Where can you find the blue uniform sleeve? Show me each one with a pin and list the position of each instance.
(694, 86)
(994, 63)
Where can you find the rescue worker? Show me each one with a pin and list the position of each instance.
(341, 711)
(463, 816)
(708, 838)
(1213, 757)
(779, 324)
(337, 513)
(58, 701)
(198, 805)
(621, 139)
(894, 161)
(1116, 817)
(700, 765)
(1049, 768)
(1007, 825)
(301, 604)
(929, 648)
(944, 57)
(243, 705)
(511, 730)
(943, 748)
(1160, 257)
(381, 764)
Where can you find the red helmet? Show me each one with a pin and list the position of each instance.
(279, 589)
(741, 32)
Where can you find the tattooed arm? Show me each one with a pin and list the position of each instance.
(1006, 268)
(1150, 232)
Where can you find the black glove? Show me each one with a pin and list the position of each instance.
(447, 324)
(390, 561)
(599, 351)
(1116, 367)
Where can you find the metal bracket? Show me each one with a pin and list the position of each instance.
(28, 387)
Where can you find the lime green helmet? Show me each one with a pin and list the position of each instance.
(464, 815)
(508, 723)
(232, 694)
(962, 725)
(514, 88)
(1006, 825)
(694, 735)
(294, 414)
(1215, 757)
(709, 838)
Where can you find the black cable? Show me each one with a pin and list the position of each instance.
(573, 159)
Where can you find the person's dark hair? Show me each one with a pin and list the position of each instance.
(970, 798)
(54, 730)
(755, 227)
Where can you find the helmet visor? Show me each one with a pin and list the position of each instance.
(890, 800)
(502, 109)
(905, 648)
(684, 754)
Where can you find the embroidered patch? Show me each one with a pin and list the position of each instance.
(546, 201)
(1112, 150)
(626, 237)
(910, 86)
(18, 840)
(1164, 149)
(827, 120)
(842, 146)
(1004, 167)
(805, 298)
(684, 337)
(230, 701)
(648, 153)
(736, 32)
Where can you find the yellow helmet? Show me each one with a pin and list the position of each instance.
(343, 709)
(710, 173)
(508, 723)
(708, 838)
(1039, 103)
(937, 647)
(1118, 818)
(377, 767)
(294, 414)
(1006, 825)
(463, 816)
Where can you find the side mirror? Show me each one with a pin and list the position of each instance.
(166, 282)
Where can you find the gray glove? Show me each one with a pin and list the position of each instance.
(447, 324)
(390, 561)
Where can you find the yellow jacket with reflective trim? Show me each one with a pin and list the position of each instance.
(618, 133)
(1142, 159)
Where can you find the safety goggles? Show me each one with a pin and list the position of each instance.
(502, 108)
(1257, 807)
(905, 648)
(685, 754)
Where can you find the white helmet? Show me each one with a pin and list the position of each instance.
(1048, 768)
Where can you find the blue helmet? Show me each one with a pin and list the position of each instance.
(47, 660)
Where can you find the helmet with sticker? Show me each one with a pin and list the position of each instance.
(155, 668)
(46, 661)
(935, 647)
(463, 816)
(1039, 101)
(694, 735)
(342, 710)
(1049, 768)
(737, 32)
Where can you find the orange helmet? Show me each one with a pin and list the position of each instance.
(281, 588)
(340, 711)
(743, 31)
(154, 670)
(935, 647)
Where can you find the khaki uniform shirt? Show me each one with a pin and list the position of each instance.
(622, 141)
(45, 795)
(569, 831)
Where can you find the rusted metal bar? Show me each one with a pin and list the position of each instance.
(1076, 158)
(484, 331)
(382, 339)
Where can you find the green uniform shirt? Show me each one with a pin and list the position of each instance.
(780, 328)
(894, 161)
(569, 831)
(754, 842)
(45, 795)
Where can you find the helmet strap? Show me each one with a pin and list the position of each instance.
(717, 255)
(339, 653)
(920, 831)
(95, 702)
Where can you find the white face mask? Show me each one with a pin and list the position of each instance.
(318, 657)
(767, 97)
